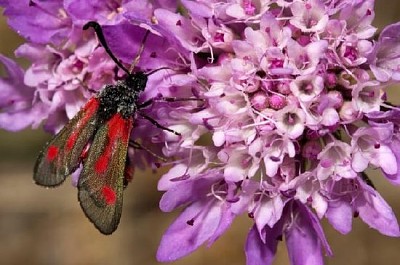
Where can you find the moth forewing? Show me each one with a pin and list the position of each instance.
(62, 155)
(101, 181)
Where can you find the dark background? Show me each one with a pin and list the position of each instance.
(47, 226)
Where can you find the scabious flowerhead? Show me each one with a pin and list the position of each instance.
(293, 109)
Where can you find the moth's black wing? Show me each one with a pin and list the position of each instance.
(101, 181)
(62, 154)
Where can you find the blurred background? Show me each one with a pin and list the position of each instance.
(47, 226)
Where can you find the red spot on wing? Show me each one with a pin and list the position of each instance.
(72, 140)
(102, 163)
(109, 195)
(52, 153)
(118, 130)
(88, 111)
(126, 133)
(119, 127)
(115, 126)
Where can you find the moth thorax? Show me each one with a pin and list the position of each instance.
(118, 98)
(127, 109)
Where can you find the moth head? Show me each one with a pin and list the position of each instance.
(137, 81)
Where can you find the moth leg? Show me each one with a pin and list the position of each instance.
(86, 87)
(137, 145)
(166, 99)
(129, 168)
(145, 104)
(155, 123)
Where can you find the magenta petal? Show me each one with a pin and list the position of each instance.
(15, 74)
(184, 193)
(316, 225)
(169, 26)
(22, 119)
(124, 50)
(38, 23)
(198, 8)
(375, 212)
(225, 222)
(395, 147)
(176, 196)
(340, 215)
(178, 30)
(153, 56)
(16, 99)
(104, 12)
(302, 240)
(381, 74)
(386, 55)
(83, 11)
(258, 252)
(191, 229)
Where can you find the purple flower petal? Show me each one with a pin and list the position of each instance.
(187, 233)
(316, 225)
(82, 11)
(198, 8)
(385, 58)
(39, 22)
(153, 56)
(16, 100)
(224, 223)
(303, 242)
(178, 29)
(375, 212)
(395, 147)
(186, 192)
(269, 212)
(340, 215)
(258, 252)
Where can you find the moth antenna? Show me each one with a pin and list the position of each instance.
(100, 36)
(139, 52)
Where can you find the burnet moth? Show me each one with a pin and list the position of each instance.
(98, 137)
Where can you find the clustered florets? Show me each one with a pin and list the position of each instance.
(295, 109)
